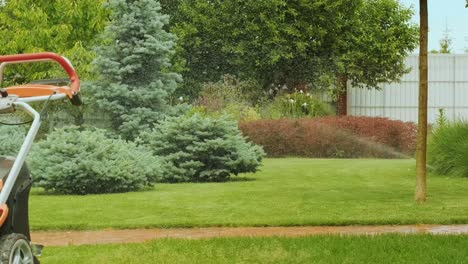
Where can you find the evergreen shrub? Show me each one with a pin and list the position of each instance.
(11, 138)
(195, 148)
(71, 161)
(134, 67)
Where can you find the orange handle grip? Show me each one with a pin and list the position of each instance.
(19, 58)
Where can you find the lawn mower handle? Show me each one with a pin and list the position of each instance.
(46, 56)
(20, 97)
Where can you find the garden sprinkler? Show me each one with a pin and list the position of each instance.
(15, 179)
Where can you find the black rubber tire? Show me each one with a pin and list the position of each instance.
(6, 245)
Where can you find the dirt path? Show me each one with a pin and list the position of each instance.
(140, 235)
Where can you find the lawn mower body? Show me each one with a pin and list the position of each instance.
(15, 184)
(17, 220)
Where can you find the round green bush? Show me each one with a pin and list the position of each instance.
(12, 138)
(448, 149)
(202, 149)
(73, 161)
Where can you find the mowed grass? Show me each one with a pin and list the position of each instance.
(287, 192)
(323, 249)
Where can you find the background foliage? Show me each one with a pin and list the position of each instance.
(293, 43)
(375, 45)
(238, 99)
(296, 105)
(66, 27)
(271, 41)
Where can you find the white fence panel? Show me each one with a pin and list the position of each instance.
(448, 90)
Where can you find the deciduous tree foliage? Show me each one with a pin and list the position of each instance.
(273, 41)
(295, 42)
(380, 39)
(374, 48)
(170, 7)
(68, 27)
(134, 82)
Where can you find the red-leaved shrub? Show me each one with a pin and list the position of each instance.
(338, 137)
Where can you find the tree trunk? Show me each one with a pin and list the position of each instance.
(342, 97)
(421, 150)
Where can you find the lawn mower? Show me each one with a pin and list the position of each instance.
(15, 178)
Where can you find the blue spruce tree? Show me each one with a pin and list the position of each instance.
(135, 81)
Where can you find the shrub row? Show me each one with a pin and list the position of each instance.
(396, 134)
(338, 137)
(189, 148)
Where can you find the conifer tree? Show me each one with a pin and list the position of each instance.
(135, 82)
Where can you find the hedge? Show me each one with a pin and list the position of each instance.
(333, 137)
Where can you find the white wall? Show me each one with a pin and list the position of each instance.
(448, 89)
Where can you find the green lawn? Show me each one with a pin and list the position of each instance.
(286, 192)
(323, 249)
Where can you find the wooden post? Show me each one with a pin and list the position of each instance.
(421, 150)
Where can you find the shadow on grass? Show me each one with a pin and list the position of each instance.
(41, 192)
(231, 179)
(38, 191)
(240, 179)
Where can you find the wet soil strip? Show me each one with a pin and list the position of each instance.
(113, 236)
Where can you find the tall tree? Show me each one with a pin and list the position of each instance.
(295, 43)
(273, 41)
(421, 148)
(68, 27)
(133, 63)
(375, 47)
